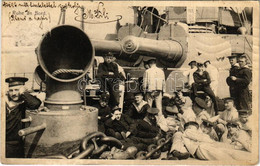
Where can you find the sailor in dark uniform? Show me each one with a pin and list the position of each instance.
(202, 82)
(109, 75)
(138, 109)
(233, 72)
(242, 81)
(144, 131)
(18, 100)
(104, 111)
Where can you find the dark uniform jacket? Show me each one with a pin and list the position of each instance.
(232, 72)
(105, 68)
(14, 124)
(143, 129)
(133, 113)
(200, 79)
(104, 113)
(244, 77)
(118, 126)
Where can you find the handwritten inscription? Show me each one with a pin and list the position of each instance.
(52, 4)
(27, 15)
(86, 14)
(98, 13)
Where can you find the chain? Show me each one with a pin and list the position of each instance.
(96, 143)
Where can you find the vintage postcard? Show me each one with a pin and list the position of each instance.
(130, 82)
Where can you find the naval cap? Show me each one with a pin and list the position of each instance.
(15, 81)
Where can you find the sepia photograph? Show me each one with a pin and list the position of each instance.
(130, 82)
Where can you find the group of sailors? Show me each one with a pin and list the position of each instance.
(204, 126)
(200, 121)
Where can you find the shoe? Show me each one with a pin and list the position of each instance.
(171, 157)
(181, 156)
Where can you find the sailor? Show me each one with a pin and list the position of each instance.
(202, 82)
(17, 101)
(245, 121)
(154, 85)
(138, 109)
(118, 125)
(240, 138)
(207, 128)
(242, 81)
(232, 72)
(213, 74)
(230, 113)
(145, 131)
(110, 77)
(104, 111)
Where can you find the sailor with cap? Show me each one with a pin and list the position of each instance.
(232, 72)
(171, 121)
(104, 111)
(202, 82)
(138, 109)
(230, 113)
(145, 131)
(199, 107)
(118, 125)
(213, 74)
(147, 127)
(189, 73)
(242, 81)
(240, 138)
(207, 127)
(110, 76)
(18, 100)
(154, 85)
(245, 121)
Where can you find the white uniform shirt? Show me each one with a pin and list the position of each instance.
(154, 79)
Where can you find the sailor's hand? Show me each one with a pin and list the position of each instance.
(22, 90)
(113, 117)
(110, 73)
(233, 78)
(127, 134)
(99, 117)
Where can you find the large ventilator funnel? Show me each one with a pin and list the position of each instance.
(65, 54)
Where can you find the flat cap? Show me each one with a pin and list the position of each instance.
(104, 97)
(207, 61)
(232, 56)
(233, 123)
(109, 54)
(192, 62)
(244, 112)
(194, 123)
(14, 81)
(116, 108)
(199, 64)
(151, 60)
(243, 56)
(153, 111)
(207, 123)
(138, 93)
(227, 99)
(201, 103)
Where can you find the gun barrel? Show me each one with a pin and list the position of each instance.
(165, 49)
